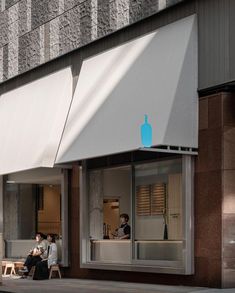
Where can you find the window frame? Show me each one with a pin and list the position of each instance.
(186, 267)
(64, 219)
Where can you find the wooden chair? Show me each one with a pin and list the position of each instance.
(55, 268)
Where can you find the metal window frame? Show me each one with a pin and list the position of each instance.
(188, 220)
(168, 267)
(64, 218)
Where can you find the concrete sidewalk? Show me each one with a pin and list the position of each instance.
(93, 286)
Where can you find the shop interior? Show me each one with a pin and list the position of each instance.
(154, 206)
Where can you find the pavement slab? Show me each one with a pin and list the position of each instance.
(16, 285)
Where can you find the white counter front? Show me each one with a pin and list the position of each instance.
(119, 251)
(116, 251)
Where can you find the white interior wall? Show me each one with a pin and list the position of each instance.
(149, 228)
(117, 184)
(175, 207)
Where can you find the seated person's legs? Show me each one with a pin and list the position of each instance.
(41, 271)
(36, 254)
(28, 260)
(29, 263)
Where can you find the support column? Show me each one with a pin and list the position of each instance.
(64, 215)
(208, 193)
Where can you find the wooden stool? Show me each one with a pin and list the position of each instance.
(8, 265)
(54, 268)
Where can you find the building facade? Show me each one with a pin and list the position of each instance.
(77, 79)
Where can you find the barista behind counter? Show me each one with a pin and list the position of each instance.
(124, 231)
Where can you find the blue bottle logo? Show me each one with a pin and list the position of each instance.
(146, 133)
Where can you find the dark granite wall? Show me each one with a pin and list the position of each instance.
(228, 200)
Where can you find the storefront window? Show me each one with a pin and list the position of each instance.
(158, 211)
(110, 197)
(31, 208)
(36, 208)
(139, 216)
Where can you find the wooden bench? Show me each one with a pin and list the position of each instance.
(18, 265)
(8, 265)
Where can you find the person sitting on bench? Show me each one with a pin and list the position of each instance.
(43, 267)
(35, 255)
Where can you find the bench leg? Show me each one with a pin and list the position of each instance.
(5, 271)
(50, 274)
(59, 273)
(13, 272)
(54, 270)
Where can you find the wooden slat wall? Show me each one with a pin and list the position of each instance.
(158, 198)
(151, 199)
(143, 202)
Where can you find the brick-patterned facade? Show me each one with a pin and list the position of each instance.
(33, 32)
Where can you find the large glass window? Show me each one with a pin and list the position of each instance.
(36, 208)
(109, 197)
(139, 216)
(158, 211)
(39, 207)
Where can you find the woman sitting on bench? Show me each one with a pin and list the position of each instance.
(35, 255)
(43, 267)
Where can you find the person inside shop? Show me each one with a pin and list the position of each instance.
(124, 231)
(43, 267)
(36, 254)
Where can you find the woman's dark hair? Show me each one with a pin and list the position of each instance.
(125, 216)
(52, 237)
(43, 236)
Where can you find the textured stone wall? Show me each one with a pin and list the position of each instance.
(33, 32)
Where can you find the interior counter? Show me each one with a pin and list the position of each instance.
(119, 251)
(111, 250)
